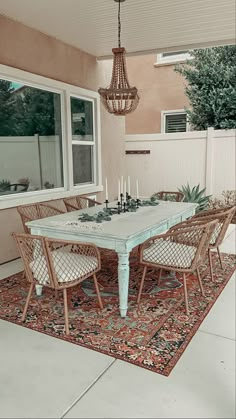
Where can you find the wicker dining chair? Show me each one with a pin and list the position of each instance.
(32, 212)
(57, 264)
(224, 217)
(75, 203)
(170, 196)
(181, 251)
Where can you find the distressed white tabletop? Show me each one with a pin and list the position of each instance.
(122, 233)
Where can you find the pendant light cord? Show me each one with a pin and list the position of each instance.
(119, 25)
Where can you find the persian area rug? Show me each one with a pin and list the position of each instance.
(153, 337)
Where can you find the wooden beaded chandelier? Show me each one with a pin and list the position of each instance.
(119, 98)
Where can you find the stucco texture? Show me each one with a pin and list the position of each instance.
(160, 88)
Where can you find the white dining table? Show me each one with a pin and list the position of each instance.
(124, 232)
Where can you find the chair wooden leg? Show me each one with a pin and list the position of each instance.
(141, 285)
(210, 264)
(159, 277)
(27, 301)
(185, 294)
(220, 257)
(200, 283)
(56, 295)
(97, 291)
(66, 311)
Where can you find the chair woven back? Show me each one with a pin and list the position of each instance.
(224, 217)
(28, 213)
(35, 211)
(79, 202)
(34, 256)
(46, 210)
(170, 196)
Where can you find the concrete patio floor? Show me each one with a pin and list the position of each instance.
(44, 377)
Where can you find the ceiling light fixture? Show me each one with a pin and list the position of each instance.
(119, 98)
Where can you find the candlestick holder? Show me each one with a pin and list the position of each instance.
(119, 207)
(128, 199)
(106, 203)
(124, 204)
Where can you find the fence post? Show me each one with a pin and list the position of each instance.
(209, 160)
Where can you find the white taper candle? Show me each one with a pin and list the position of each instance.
(119, 190)
(137, 191)
(122, 185)
(128, 185)
(125, 191)
(106, 189)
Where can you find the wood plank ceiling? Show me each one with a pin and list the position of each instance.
(147, 25)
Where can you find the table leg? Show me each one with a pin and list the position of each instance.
(123, 279)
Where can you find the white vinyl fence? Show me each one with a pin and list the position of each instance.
(37, 158)
(205, 157)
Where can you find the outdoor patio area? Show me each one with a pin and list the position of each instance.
(46, 377)
(117, 209)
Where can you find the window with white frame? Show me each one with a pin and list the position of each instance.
(49, 139)
(30, 139)
(172, 57)
(83, 144)
(174, 121)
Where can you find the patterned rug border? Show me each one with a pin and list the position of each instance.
(173, 361)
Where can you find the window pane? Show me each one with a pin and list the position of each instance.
(81, 119)
(176, 123)
(30, 139)
(82, 164)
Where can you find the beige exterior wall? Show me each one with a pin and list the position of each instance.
(32, 51)
(160, 88)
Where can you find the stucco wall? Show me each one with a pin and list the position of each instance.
(160, 88)
(32, 51)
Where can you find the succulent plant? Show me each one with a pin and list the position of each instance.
(196, 195)
(4, 184)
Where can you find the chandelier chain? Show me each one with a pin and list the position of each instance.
(119, 26)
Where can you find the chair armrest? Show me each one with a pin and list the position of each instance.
(209, 213)
(191, 223)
